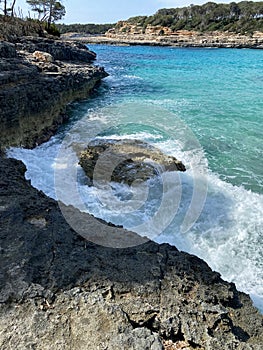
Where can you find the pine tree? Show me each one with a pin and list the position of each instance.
(48, 10)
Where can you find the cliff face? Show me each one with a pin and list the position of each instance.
(135, 34)
(59, 291)
(38, 78)
(163, 36)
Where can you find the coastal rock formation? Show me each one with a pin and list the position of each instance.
(125, 160)
(59, 291)
(60, 50)
(180, 38)
(34, 92)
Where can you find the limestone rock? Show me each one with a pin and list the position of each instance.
(43, 56)
(181, 38)
(125, 161)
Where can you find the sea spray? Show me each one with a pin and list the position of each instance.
(216, 94)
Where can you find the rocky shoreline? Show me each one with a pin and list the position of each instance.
(60, 291)
(181, 38)
(38, 78)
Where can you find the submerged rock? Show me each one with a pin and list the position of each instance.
(125, 161)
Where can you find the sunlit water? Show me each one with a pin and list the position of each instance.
(203, 106)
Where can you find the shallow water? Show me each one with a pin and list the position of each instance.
(205, 107)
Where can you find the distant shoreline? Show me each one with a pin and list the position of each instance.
(179, 39)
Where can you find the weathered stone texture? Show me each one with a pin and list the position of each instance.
(59, 291)
(34, 93)
(125, 161)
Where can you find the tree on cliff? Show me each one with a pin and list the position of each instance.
(48, 10)
(243, 17)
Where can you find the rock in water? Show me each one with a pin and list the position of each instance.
(61, 292)
(125, 161)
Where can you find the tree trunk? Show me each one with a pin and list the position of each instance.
(50, 13)
(12, 8)
(5, 7)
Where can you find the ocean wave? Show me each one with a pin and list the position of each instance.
(227, 234)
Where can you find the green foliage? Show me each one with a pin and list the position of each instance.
(52, 29)
(84, 28)
(245, 16)
(47, 10)
(139, 20)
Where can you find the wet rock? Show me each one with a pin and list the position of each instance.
(60, 291)
(125, 161)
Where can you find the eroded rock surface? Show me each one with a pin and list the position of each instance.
(180, 38)
(34, 92)
(125, 161)
(59, 291)
(60, 50)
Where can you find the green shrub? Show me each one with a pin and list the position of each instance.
(52, 29)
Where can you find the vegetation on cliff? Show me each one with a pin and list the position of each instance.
(89, 28)
(12, 27)
(48, 12)
(242, 17)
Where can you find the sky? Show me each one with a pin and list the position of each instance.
(111, 11)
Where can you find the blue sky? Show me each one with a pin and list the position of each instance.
(110, 11)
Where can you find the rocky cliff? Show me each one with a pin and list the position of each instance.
(38, 78)
(130, 34)
(59, 291)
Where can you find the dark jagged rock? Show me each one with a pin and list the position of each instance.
(59, 291)
(60, 50)
(125, 160)
(7, 50)
(34, 93)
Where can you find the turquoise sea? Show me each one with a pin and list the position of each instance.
(205, 107)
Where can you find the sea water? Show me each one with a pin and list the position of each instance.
(203, 106)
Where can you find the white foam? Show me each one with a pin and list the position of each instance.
(128, 76)
(227, 235)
